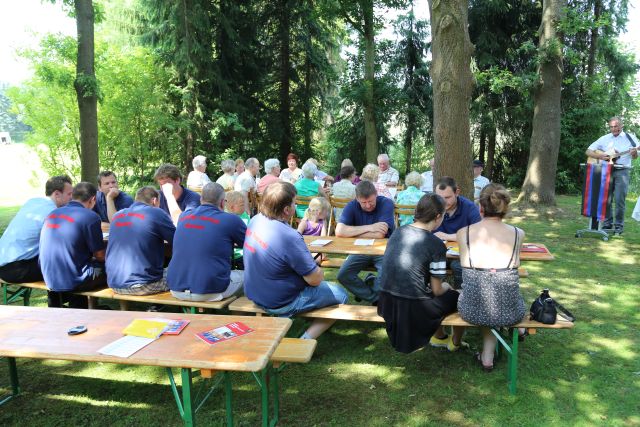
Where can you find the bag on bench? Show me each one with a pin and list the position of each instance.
(545, 309)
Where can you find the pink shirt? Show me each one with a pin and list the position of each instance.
(266, 180)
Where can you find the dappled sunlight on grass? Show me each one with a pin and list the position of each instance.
(93, 402)
(621, 348)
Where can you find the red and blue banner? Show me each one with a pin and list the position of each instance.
(596, 194)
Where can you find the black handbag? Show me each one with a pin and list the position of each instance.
(545, 309)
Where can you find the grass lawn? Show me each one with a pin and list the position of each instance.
(586, 376)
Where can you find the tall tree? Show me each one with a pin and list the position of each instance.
(452, 88)
(539, 183)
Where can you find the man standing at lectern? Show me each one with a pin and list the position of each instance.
(603, 149)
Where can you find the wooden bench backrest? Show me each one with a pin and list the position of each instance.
(336, 203)
(402, 210)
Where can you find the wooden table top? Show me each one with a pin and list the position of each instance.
(41, 333)
(345, 245)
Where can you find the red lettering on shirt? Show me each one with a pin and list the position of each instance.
(119, 216)
(137, 215)
(257, 239)
(197, 227)
(188, 217)
(66, 218)
(123, 224)
(249, 247)
(206, 218)
(53, 225)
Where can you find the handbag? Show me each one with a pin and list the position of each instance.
(545, 309)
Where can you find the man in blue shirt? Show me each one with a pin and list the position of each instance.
(135, 254)
(200, 269)
(70, 240)
(280, 274)
(174, 198)
(19, 245)
(459, 212)
(369, 216)
(110, 199)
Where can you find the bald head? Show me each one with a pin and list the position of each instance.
(212, 194)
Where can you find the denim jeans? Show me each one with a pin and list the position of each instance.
(620, 178)
(348, 276)
(312, 297)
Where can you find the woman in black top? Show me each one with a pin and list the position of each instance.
(413, 298)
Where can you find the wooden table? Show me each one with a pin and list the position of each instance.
(41, 333)
(345, 245)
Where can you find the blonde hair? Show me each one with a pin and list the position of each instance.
(414, 179)
(234, 197)
(494, 200)
(370, 173)
(316, 206)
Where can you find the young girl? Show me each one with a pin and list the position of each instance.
(314, 222)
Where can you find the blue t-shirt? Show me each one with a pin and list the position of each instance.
(122, 201)
(202, 250)
(188, 200)
(70, 236)
(275, 261)
(353, 215)
(135, 253)
(20, 240)
(466, 213)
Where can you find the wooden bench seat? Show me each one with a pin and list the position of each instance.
(164, 298)
(337, 263)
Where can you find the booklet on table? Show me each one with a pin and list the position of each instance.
(224, 333)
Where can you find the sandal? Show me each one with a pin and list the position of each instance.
(486, 368)
(522, 336)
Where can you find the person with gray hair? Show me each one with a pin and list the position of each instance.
(227, 179)
(306, 186)
(272, 174)
(246, 181)
(371, 173)
(369, 216)
(197, 178)
(345, 163)
(200, 269)
(388, 175)
(410, 196)
(138, 233)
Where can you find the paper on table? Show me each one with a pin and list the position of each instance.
(453, 251)
(320, 242)
(105, 236)
(125, 346)
(363, 242)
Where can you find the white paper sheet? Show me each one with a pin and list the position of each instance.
(320, 242)
(364, 242)
(125, 346)
(105, 236)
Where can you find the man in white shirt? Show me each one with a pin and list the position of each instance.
(246, 181)
(388, 175)
(479, 181)
(605, 148)
(427, 179)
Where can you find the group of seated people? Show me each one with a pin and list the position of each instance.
(218, 251)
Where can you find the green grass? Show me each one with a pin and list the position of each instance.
(6, 213)
(589, 375)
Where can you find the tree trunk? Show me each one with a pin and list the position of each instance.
(285, 100)
(452, 86)
(483, 142)
(408, 138)
(593, 45)
(539, 183)
(370, 131)
(86, 88)
(308, 126)
(491, 153)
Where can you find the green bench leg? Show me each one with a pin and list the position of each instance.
(9, 297)
(187, 402)
(512, 353)
(228, 397)
(13, 375)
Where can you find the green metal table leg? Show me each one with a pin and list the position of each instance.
(275, 386)
(13, 375)
(189, 413)
(264, 390)
(513, 362)
(5, 299)
(228, 397)
(26, 296)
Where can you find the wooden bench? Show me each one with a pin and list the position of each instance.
(370, 314)
(337, 263)
(164, 298)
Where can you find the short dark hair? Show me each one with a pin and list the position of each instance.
(105, 174)
(84, 191)
(56, 183)
(447, 181)
(147, 194)
(365, 189)
(347, 171)
(429, 207)
(168, 170)
(276, 197)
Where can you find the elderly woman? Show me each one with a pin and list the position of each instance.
(489, 254)
(413, 297)
(293, 172)
(239, 168)
(410, 196)
(371, 173)
(307, 186)
(272, 172)
(227, 179)
(347, 162)
(197, 178)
